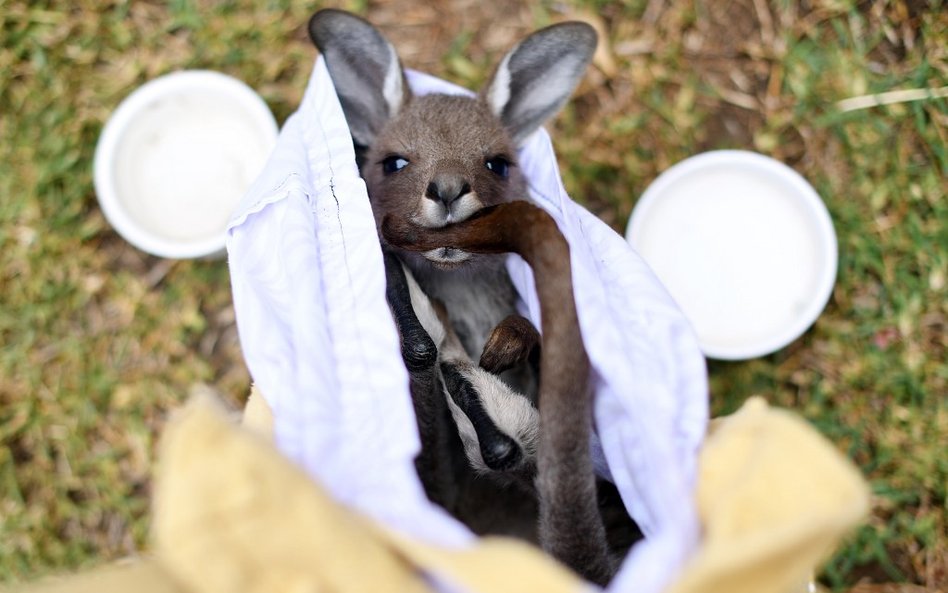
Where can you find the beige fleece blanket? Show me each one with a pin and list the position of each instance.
(233, 515)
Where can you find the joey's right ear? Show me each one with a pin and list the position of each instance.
(365, 71)
(536, 78)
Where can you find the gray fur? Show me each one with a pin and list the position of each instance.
(537, 77)
(365, 71)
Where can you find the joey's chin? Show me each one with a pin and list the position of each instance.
(447, 258)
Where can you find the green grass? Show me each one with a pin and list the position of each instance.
(98, 342)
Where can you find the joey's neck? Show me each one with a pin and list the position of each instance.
(477, 296)
(483, 274)
(478, 269)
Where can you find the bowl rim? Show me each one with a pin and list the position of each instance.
(818, 216)
(112, 133)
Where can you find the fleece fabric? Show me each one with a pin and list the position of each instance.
(233, 515)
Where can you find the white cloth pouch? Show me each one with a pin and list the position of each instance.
(320, 342)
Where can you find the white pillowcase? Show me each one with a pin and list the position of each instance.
(318, 338)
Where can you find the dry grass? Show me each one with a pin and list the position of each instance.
(98, 342)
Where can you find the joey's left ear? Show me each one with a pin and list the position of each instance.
(364, 68)
(536, 78)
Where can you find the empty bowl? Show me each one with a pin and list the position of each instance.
(743, 244)
(175, 158)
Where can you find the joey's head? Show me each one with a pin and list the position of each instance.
(437, 159)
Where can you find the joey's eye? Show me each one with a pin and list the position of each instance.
(498, 165)
(393, 164)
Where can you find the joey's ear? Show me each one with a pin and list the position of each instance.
(365, 71)
(536, 78)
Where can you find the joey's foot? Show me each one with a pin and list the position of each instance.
(499, 451)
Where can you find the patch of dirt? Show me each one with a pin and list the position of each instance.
(900, 25)
(423, 36)
(894, 588)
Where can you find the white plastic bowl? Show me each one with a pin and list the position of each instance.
(176, 157)
(744, 245)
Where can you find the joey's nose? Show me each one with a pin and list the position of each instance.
(446, 188)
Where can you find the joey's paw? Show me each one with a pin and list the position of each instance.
(500, 453)
(419, 351)
(510, 343)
